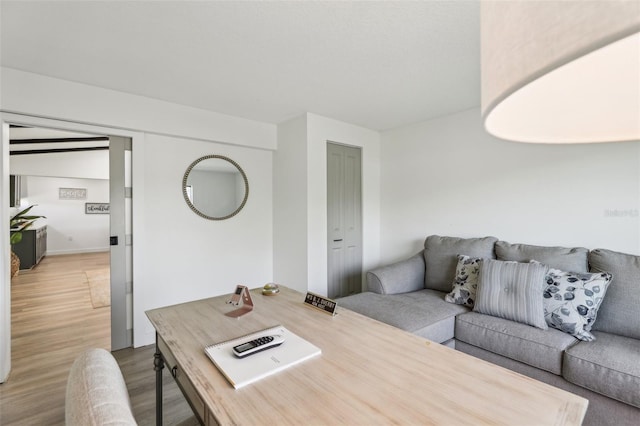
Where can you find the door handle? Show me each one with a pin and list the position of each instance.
(335, 241)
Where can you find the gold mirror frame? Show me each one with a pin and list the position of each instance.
(194, 208)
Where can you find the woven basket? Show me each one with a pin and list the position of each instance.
(15, 264)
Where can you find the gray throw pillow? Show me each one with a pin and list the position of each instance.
(441, 257)
(618, 313)
(512, 290)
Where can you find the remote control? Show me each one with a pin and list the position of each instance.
(257, 345)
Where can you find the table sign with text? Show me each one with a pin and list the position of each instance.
(322, 303)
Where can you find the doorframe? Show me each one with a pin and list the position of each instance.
(7, 118)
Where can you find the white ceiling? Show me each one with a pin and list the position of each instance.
(380, 65)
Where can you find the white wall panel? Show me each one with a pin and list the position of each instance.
(290, 205)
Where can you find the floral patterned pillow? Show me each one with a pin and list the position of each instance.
(572, 299)
(465, 283)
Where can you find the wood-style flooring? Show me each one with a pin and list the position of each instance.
(52, 321)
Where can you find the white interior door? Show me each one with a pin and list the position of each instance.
(5, 250)
(121, 242)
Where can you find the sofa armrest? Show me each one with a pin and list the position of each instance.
(400, 277)
(96, 392)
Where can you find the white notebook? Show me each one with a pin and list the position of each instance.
(242, 371)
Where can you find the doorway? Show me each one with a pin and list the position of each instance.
(344, 220)
(5, 284)
(76, 179)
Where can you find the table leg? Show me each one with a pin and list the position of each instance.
(158, 365)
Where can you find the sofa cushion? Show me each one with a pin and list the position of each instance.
(619, 311)
(440, 257)
(571, 300)
(465, 284)
(512, 290)
(563, 258)
(539, 348)
(610, 366)
(423, 312)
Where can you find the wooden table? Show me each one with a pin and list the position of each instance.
(368, 373)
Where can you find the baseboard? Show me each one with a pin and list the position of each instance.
(63, 252)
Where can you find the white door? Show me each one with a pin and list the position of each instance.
(121, 242)
(5, 262)
(344, 216)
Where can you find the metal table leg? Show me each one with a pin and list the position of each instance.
(158, 366)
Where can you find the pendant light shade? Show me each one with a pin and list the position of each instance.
(561, 71)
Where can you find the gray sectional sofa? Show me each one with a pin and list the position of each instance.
(410, 295)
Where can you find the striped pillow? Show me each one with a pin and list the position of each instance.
(512, 290)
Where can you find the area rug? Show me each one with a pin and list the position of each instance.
(99, 287)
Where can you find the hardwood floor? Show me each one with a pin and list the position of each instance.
(52, 321)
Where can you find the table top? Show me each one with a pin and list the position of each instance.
(368, 372)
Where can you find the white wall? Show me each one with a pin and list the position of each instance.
(38, 95)
(300, 170)
(290, 205)
(177, 255)
(188, 257)
(82, 164)
(449, 177)
(69, 229)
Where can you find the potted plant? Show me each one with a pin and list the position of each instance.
(18, 223)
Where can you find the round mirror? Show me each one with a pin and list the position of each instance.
(215, 187)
